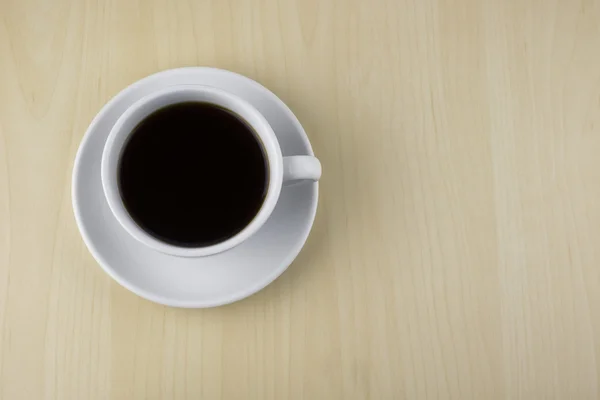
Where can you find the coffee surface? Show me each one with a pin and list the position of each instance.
(193, 174)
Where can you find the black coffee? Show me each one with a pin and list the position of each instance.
(193, 174)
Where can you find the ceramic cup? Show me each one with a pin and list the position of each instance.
(282, 170)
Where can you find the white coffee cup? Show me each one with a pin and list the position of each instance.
(282, 170)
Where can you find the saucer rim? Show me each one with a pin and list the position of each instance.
(168, 301)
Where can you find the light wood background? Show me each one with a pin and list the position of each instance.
(456, 251)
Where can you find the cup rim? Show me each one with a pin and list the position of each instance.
(122, 129)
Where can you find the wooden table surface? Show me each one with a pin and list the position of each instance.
(455, 254)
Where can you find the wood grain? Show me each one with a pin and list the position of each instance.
(455, 251)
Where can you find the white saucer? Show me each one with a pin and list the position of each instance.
(194, 282)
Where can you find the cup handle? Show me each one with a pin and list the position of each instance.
(300, 168)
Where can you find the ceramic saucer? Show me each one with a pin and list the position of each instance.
(194, 282)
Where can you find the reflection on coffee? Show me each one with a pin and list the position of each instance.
(193, 174)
